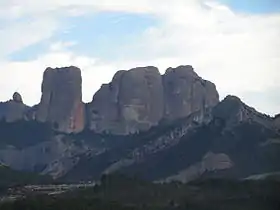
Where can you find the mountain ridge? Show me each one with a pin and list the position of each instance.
(135, 100)
(160, 127)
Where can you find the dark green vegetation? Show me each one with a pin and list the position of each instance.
(243, 144)
(22, 134)
(92, 167)
(12, 178)
(249, 145)
(119, 193)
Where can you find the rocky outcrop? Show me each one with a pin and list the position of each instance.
(185, 92)
(140, 98)
(233, 111)
(61, 101)
(13, 110)
(17, 98)
(54, 157)
(133, 101)
(210, 162)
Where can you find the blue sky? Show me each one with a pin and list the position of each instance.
(98, 34)
(103, 33)
(254, 6)
(232, 43)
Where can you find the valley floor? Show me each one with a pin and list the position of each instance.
(121, 193)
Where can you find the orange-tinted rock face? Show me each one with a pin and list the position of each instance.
(61, 101)
(77, 122)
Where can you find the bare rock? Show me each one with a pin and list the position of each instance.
(185, 92)
(210, 162)
(132, 102)
(61, 101)
(17, 97)
(140, 98)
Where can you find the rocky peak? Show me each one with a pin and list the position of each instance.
(185, 92)
(17, 98)
(233, 111)
(231, 105)
(133, 101)
(183, 71)
(61, 101)
(13, 110)
(140, 98)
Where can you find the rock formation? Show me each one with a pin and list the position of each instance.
(13, 110)
(17, 98)
(140, 98)
(233, 111)
(61, 101)
(194, 135)
(209, 163)
(186, 92)
(133, 101)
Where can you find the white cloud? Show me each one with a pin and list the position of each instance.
(22, 34)
(239, 52)
(26, 76)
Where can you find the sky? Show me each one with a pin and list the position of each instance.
(233, 43)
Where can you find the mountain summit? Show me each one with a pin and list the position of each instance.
(141, 98)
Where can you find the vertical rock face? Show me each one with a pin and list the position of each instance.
(133, 101)
(140, 98)
(13, 110)
(185, 92)
(61, 101)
